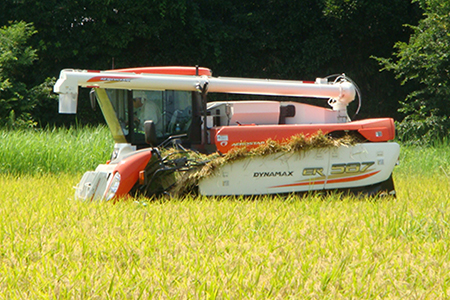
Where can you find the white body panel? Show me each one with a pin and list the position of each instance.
(93, 184)
(310, 114)
(232, 113)
(331, 168)
(244, 112)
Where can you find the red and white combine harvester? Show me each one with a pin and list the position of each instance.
(147, 109)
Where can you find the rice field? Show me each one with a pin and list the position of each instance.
(53, 247)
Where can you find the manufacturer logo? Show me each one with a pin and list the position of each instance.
(349, 168)
(312, 171)
(274, 174)
(248, 144)
(115, 79)
(109, 79)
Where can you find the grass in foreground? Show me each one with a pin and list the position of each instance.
(271, 248)
(56, 150)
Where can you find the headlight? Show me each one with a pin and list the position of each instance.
(113, 187)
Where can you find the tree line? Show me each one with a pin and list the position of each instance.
(284, 39)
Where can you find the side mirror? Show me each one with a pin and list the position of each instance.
(150, 132)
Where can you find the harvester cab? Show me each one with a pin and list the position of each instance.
(149, 108)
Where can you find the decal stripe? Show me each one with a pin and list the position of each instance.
(311, 182)
(347, 179)
(338, 180)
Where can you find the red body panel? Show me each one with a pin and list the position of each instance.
(129, 169)
(149, 70)
(167, 70)
(228, 137)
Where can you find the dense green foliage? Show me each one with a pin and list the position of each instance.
(301, 39)
(423, 62)
(15, 57)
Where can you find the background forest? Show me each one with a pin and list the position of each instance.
(402, 70)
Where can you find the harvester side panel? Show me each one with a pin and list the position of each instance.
(330, 168)
(229, 137)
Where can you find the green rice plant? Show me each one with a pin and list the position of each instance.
(54, 150)
(425, 160)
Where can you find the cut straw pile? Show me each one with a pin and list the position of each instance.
(188, 181)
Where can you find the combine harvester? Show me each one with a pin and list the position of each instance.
(154, 108)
